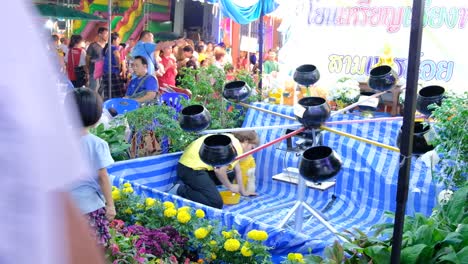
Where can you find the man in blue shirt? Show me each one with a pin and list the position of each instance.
(145, 48)
(143, 87)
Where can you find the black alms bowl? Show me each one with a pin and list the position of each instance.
(312, 111)
(428, 95)
(382, 78)
(306, 74)
(319, 164)
(194, 118)
(217, 150)
(236, 91)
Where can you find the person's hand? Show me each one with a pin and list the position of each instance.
(247, 193)
(234, 188)
(110, 212)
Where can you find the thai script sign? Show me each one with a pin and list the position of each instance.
(348, 37)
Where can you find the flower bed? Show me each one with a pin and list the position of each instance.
(151, 231)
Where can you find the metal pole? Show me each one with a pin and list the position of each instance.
(406, 147)
(260, 48)
(109, 49)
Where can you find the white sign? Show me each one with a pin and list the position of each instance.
(347, 38)
(249, 44)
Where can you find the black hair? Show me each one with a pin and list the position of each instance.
(191, 64)
(143, 34)
(143, 60)
(200, 48)
(102, 29)
(89, 105)
(123, 45)
(188, 48)
(75, 39)
(114, 36)
(55, 38)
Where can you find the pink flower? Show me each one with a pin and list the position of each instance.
(141, 251)
(140, 259)
(187, 261)
(115, 249)
(173, 259)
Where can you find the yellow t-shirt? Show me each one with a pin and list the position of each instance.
(191, 158)
(246, 164)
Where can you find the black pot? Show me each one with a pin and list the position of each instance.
(382, 78)
(236, 91)
(366, 108)
(217, 150)
(312, 112)
(194, 118)
(306, 75)
(421, 137)
(319, 164)
(428, 95)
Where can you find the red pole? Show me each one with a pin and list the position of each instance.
(266, 145)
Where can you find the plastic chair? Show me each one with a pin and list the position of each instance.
(173, 100)
(121, 105)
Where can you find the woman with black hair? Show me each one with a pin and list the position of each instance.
(117, 89)
(76, 61)
(143, 87)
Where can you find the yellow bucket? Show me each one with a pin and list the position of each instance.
(230, 197)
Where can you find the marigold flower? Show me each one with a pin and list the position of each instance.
(226, 234)
(127, 184)
(170, 212)
(128, 211)
(296, 257)
(168, 204)
(140, 206)
(116, 195)
(257, 235)
(200, 261)
(184, 209)
(183, 217)
(114, 188)
(213, 256)
(150, 202)
(127, 190)
(231, 244)
(200, 213)
(245, 250)
(201, 233)
(213, 242)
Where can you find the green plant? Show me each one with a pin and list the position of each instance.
(440, 238)
(246, 76)
(451, 139)
(115, 137)
(161, 121)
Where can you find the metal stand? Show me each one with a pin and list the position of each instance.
(297, 207)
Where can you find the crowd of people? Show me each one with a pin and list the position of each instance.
(142, 69)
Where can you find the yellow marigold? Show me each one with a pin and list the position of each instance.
(226, 234)
(128, 211)
(213, 256)
(114, 188)
(126, 185)
(296, 257)
(184, 209)
(127, 190)
(231, 244)
(200, 213)
(140, 206)
(170, 212)
(245, 250)
(213, 242)
(150, 202)
(183, 217)
(168, 204)
(116, 195)
(201, 233)
(257, 235)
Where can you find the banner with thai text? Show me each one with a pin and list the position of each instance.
(347, 38)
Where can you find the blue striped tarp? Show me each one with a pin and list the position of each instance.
(365, 187)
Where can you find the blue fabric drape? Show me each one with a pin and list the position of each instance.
(245, 15)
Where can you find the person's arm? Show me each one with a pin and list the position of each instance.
(221, 174)
(117, 58)
(89, 53)
(150, 95)
(242, 190)
(106, 189)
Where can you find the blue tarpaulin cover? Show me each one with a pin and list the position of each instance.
(365, 187)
